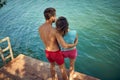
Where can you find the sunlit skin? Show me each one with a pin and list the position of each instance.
(71, 69)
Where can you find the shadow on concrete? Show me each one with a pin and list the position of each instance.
(27, 68)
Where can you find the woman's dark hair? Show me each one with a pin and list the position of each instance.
(62, 25)
(49, 12)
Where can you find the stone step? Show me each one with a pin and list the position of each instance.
(26, 68)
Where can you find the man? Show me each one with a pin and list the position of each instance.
(52, 50)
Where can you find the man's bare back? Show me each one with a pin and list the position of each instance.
(47, 33)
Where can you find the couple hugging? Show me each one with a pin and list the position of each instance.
(60, 43)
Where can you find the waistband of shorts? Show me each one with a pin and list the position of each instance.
(70, 49)
(52, 51)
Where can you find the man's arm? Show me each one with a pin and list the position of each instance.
(63, 43)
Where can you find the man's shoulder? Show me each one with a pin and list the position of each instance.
(40, 27)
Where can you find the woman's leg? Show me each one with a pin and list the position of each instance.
(71, 69)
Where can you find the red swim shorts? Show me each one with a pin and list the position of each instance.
(70, 54)
(55, 56)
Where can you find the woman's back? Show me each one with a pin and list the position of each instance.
(69, 38)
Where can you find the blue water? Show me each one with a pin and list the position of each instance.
(96, 21)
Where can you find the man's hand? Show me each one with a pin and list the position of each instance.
(76, 40)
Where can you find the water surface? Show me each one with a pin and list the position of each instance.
(96, 21)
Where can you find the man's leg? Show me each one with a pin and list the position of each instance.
(63, 71)
(71, 69)
(53, 73)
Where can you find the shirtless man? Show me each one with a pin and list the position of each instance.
(52, 50)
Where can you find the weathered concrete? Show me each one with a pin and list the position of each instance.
(27, 68)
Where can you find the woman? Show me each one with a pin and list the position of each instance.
(69, 36)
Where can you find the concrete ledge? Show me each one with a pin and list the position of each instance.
(27, 68)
